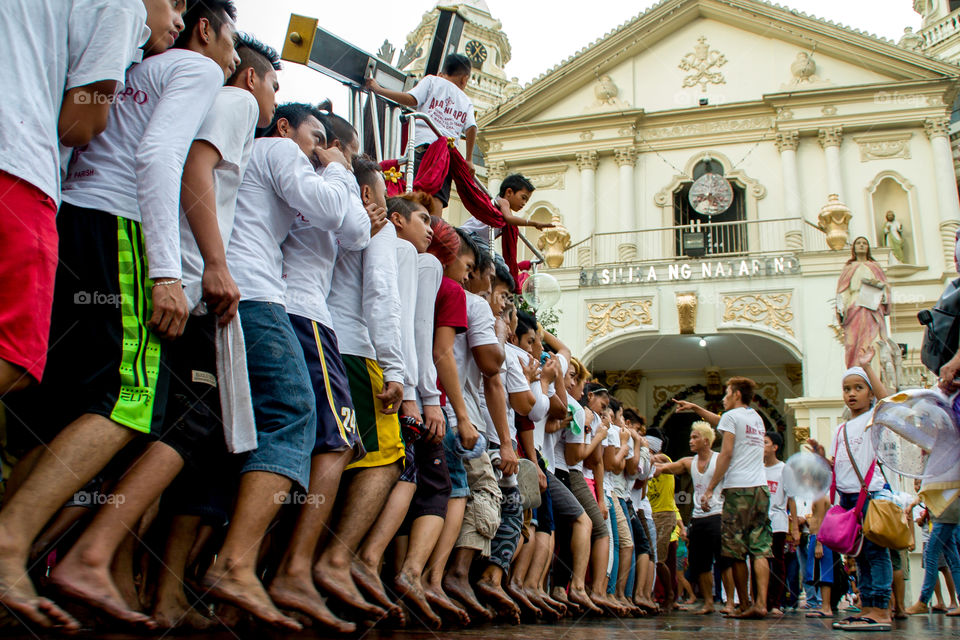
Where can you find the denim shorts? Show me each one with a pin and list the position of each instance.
(283, 402)
(458, 473)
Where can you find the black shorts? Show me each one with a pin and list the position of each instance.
(193, 426)
(444, 194)
(704, 544)
(433, 481)
(103, 358)
(544, 513)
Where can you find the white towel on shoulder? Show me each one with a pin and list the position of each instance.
(239, 424)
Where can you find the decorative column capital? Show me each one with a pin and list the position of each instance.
(588, 160)
(936, 127)
(831, 137)
(787, 140)
(626, 156)
(496, 170)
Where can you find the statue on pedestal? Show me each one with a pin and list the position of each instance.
(863, 302)
(893, 236)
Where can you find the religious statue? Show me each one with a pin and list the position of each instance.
(893, 236)
(863, 301)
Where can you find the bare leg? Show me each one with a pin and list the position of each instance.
(84, 573)
(21, 470)
(13, 378)
(121, 572)
(623, 570)
(457, 581)
(81, 450)
(706, 589)
(437, 564)
(233, 577)
(599, 552)
(490, 589)
(761, 572)
(292, 587)
(951, 587)
(366, 493)
(172, 609)
(424, 533)
(365, 570)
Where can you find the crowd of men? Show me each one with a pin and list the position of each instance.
(239, 379)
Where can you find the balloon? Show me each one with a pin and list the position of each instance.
(541, 291)
(915, 433)
(806, 476)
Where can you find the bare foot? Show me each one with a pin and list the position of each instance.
(580, 598)
(705, 610)
(756, 612)
(548, 601)
(438, 599)
(525, 604)
(367, 579)
(776, 612)
(410, 588)
(461, 590)
(18, 595)
(299, 594)
(244, 590)
(917, 608)
(953, 613)
(172, 612)
(93, 586)
(558, 594)
(500, 601)
(338, 583)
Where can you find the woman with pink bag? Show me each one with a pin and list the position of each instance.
(854, 462)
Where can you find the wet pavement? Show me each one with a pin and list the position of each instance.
(678, 626)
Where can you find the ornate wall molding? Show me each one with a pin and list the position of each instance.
(708, 127)
(664, 393)
(702, 63)
(547, 177)
(664, 197)
(623, 379)
(496, 170)
(773, 311)
(884, 146)
(605, 317)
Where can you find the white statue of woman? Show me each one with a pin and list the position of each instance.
(893, 236)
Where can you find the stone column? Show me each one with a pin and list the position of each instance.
(786, 142)
(626, 159)
(830, 140)
(938, 130)
(496, 172)
(587, 162)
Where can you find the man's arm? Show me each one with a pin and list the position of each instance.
(708, 416)
(84, 112)
(380, 301)
(723, 461)
(496, 398)
(471, 134)
(677, 468)
(198, 198)
(450, 380)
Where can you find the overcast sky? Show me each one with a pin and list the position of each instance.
(540, 34)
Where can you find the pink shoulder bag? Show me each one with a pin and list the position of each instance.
(842, 529)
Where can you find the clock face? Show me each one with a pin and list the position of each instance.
(476, 52)
(711, 194)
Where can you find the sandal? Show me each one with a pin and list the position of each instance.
(819, 614)
(865, 624)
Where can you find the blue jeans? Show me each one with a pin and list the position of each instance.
(943, 539)
(873, 564)
(615, 546)
(283, 402)
(458, 473)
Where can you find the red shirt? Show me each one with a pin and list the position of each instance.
(450, 311)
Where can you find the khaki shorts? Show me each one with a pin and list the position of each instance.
(481, 519)
(665, 522)
(745, 523)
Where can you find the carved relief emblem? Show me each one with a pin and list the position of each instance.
(606, 317)
(772, 310)
(702, 62)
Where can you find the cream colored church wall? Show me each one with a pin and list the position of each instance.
(754, 65)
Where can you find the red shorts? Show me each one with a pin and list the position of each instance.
(28, 267)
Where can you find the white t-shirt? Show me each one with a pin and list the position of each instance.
(700, 483)
(448, 107)
(133, 169)
(779, 519)
(407, 281)
(280, 189)
(229, 128)
(429, 275)
(864, 454)
(746, 465)
(50, 47)
(567, 436)
(480, 332)
(546, 443)
(615, 484)
(595, 422)
(365, 303)
(513, 382)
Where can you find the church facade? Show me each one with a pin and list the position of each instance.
(810, 134)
